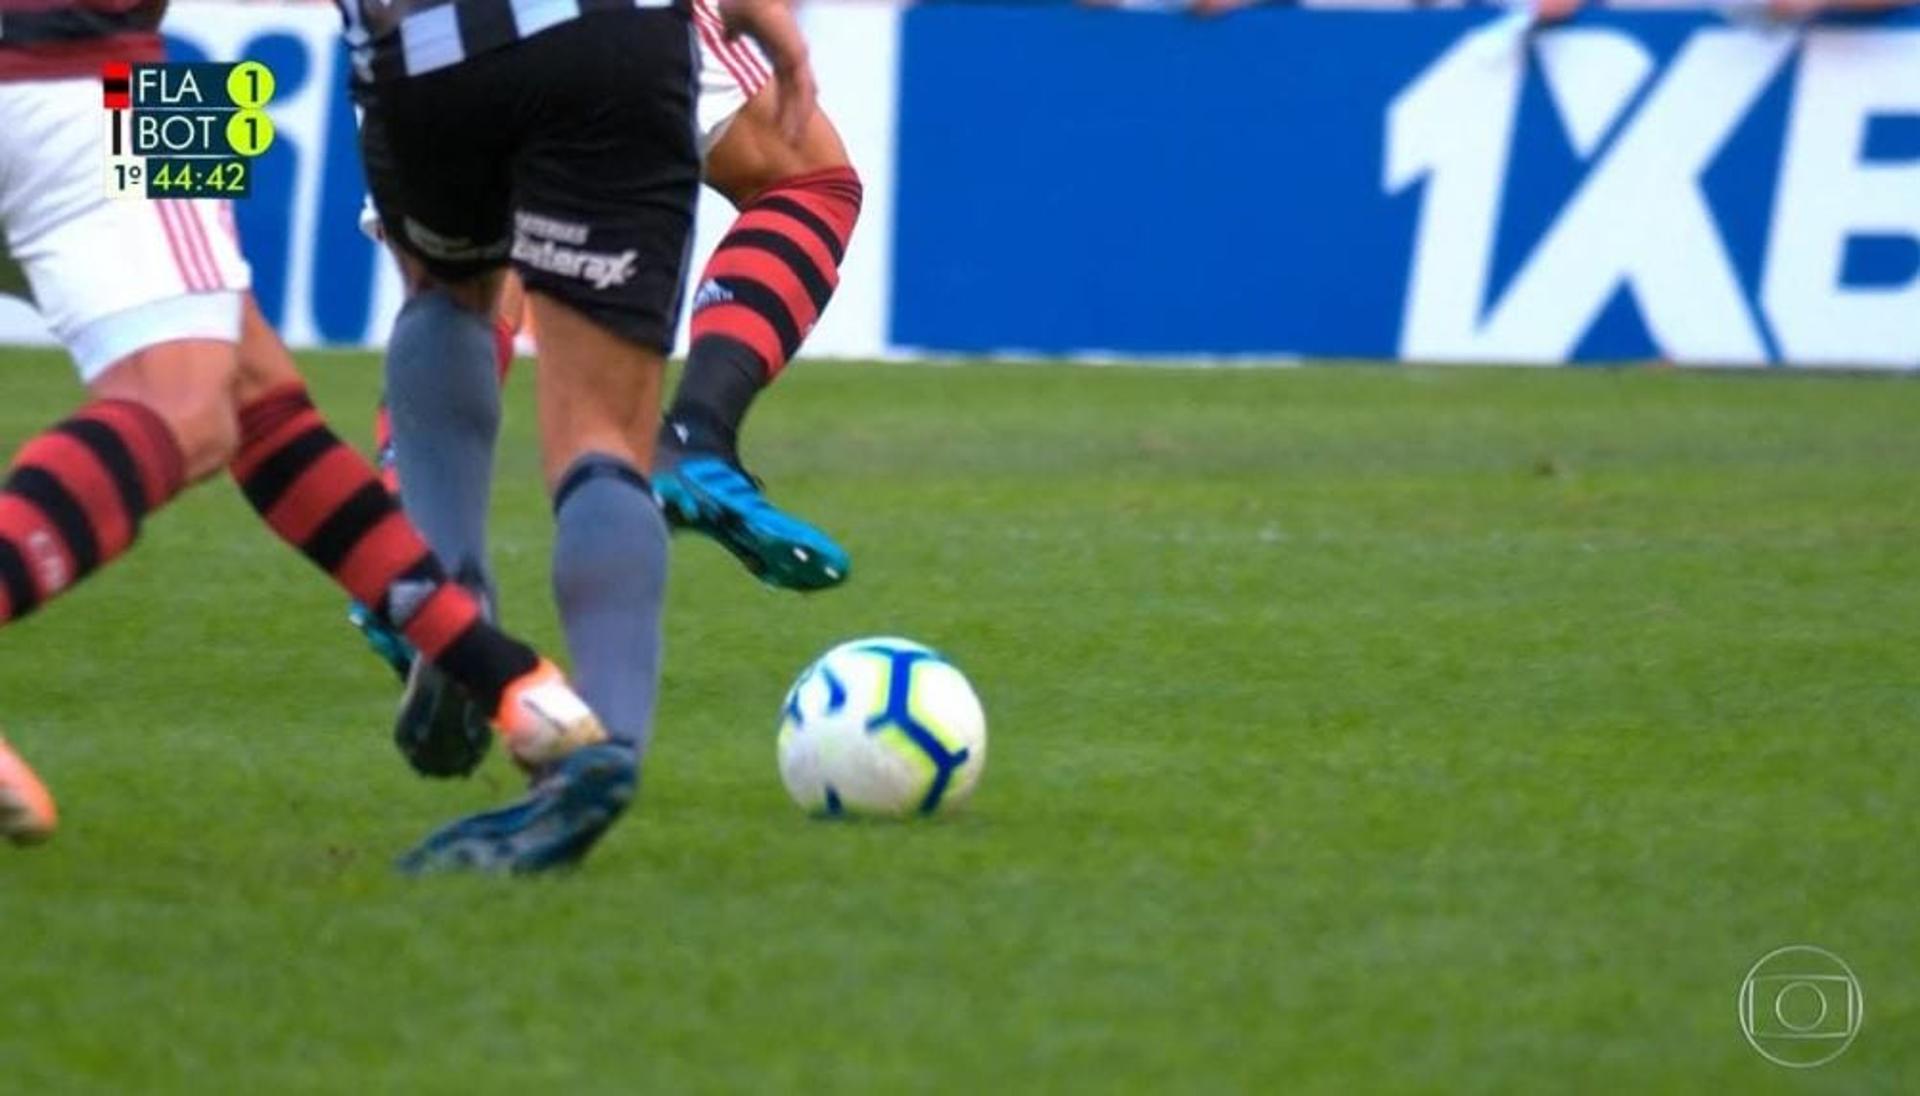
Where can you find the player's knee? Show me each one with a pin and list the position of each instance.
(753, 156)
(190, 385)
(476, 294)
(204, 422)
(821, 147)
(209, 433)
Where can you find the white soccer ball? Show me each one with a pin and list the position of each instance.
(882, 727)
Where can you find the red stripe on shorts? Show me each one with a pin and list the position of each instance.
(735, 58)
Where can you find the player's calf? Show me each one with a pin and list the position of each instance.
(757, 299)
(759, 296)
(762, 292)
(78, 494)
(76, 498)
(323, 498)
(428, 749)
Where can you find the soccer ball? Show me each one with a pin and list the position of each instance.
(882, 727)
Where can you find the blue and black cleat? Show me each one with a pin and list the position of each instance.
(390, 645)
(555, 826)
(440, 729)
(715, 497)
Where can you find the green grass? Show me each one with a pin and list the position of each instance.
(1353, 730)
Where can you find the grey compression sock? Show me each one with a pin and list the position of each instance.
(443, 392)
(609, 581)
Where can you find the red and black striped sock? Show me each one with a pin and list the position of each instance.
(76, 496)
(761, 293)
(324, 499)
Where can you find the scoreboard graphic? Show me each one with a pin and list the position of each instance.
(185, 130)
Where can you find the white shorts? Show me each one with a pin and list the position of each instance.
(731, 73)
(111, 276)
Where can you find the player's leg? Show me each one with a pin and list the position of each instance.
(599, 397)
(599, 402)
(155, 336)
(323, 498)
(441, 385)
(776, 269)
(605, 183)
(605, 208)
(761, 292)
(435, 359)
(508, 310)
(151, 332)
(156, 420)
(176, 412)
(599, 406)
(152, 335)
(443, 394)
(603, 178)
(505, 330)
(76, 495)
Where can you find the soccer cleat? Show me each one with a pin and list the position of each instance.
(566, 812)
(543, 720)
(440, 729)
(390, 645)
(27, 813)
(715, 497)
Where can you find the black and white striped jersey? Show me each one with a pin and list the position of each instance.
(390, 39)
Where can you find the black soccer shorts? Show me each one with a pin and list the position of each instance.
(570, 154)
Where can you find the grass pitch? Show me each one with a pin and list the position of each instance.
(1353, 730)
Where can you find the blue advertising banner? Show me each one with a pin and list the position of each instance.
(1413, 185)
(1446, 185)
(342, 260)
